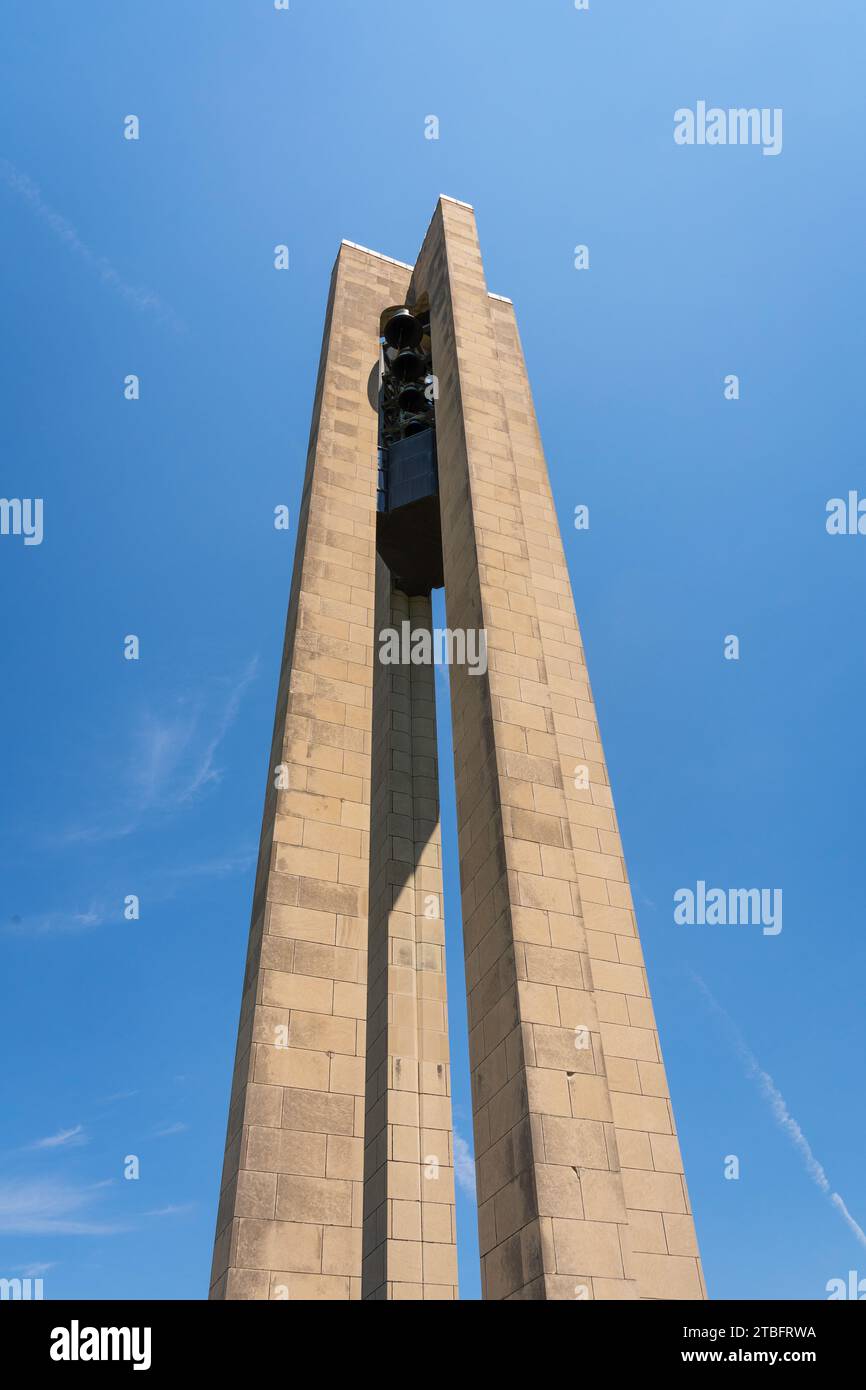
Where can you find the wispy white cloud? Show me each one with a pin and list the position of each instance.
(176, 756)
(162, 744)
(158, 889)
(59, 921)
(464, 1165)
(50, 1208)
(173, 760)
(63, 1139)
(206, 770)
(118, 1095)
(35, 1271)
(180, 1210)
(94, 833)
(780, 1112)
(173, 763)
(144, 300)
(221, 866)
(179, 1127)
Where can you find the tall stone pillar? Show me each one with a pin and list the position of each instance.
(581, 1189)
(409, 1227)
(290, 1213)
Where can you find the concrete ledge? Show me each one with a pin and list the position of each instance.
(378, 254)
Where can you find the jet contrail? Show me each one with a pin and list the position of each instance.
(780, 1111)
(140, 298)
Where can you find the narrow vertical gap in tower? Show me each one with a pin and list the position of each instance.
(409, 541)
(468, 1255)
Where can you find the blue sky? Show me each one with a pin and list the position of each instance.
(707, 518)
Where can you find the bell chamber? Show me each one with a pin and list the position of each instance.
(408, 526)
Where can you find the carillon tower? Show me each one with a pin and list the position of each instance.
(425, 469)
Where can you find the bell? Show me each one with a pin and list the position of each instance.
(412, 398)
(407, 365)
(416, 426)
(402, 330)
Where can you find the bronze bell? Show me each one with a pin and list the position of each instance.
(417, 425)
(407, 365)
(412, 397)
(402, 330)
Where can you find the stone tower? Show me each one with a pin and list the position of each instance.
(338, 1171)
